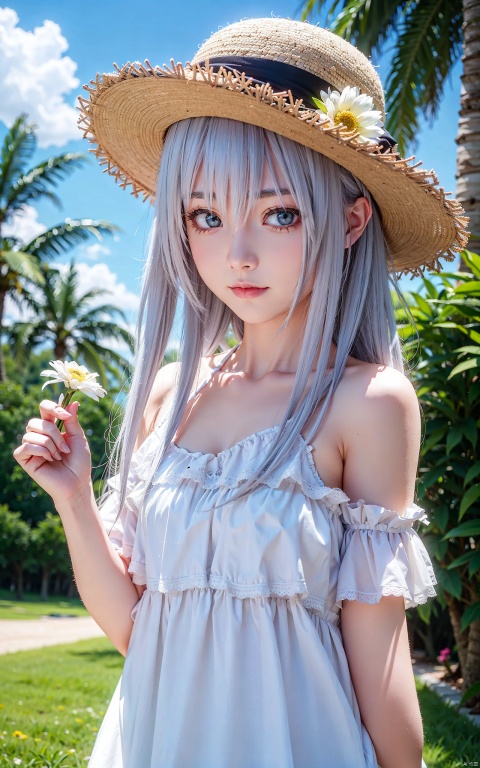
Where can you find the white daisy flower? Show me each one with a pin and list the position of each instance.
(76, 378)
(354, 110)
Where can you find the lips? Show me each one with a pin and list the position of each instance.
(247, 293)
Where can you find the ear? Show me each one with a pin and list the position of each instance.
(358, 215)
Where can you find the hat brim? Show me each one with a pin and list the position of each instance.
(128, 114)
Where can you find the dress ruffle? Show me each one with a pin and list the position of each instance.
(381, 554)
(233, 466)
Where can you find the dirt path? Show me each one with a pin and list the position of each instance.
(38, 633)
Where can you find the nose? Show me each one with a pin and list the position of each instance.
(242, 252)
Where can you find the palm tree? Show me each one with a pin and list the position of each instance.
(21, 265)
(66, 319)
(427, 37)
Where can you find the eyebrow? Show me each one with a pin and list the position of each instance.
(263, 193)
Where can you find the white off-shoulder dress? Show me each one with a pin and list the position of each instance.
(236, 657)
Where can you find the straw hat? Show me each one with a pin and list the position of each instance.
(271, 73)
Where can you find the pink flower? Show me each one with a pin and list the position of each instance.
(444, 655)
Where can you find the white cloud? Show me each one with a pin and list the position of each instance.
(93, 276)
(24, 225)
(101, 276)
(93, 252)
(36, 77)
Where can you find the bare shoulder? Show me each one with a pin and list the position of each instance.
(371, 384)
(382, 434)
(163, 386)
(374, 434)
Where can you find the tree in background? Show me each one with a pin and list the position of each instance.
(50, 550)
(65, 319)
(15, 541)
(427, 40)
(21, 264)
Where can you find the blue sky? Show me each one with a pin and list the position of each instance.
(70, 42)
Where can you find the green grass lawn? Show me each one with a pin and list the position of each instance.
(53, 699)
(32, 607)
(52, 703)
(451, 740)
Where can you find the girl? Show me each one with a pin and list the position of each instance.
(254, 556)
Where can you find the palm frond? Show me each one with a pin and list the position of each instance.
(86, 297)
(21, 296)
(23, 337)
(17, 148)
(70, 233)
(448, 47)
(37, 182)
(23, 264)
(412, 69)
(366, 23)
(96, 314)
(105, 329)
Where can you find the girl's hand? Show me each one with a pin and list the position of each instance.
(59, 462)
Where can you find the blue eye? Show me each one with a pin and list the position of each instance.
(282, 217)
(212, 220)
(204, 220)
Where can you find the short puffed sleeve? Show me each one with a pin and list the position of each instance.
(121, 524)
(381, 554)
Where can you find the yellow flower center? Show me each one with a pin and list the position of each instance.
(347, 119)
(75, 372)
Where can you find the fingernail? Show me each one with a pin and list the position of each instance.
(57, 455)
(64, 447)
(62, 413)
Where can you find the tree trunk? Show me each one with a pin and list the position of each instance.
(57, 585)
(461, 638)
(3, 373)
(468, 137)
(471, 672)
(44, 587)
(60, 349)
(19, 581)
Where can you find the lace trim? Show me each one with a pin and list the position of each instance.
(215, 581)
(366, 597)
(280, 589)
(384, 527)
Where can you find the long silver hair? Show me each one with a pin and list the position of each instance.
(351, 303)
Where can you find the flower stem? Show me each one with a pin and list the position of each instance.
(63, 404)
